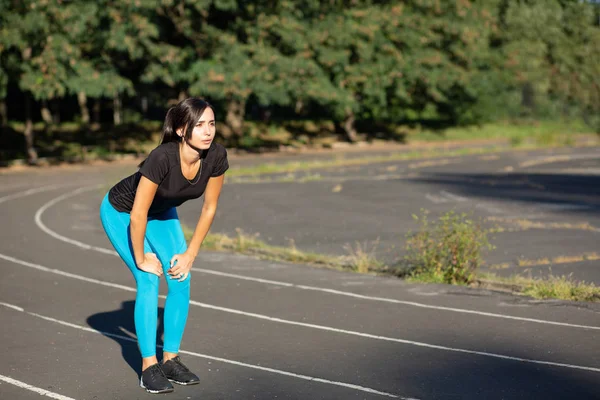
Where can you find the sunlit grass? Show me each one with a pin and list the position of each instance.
(552, 287)
(360, 259)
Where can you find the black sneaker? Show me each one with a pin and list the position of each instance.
(176, 372)
(153, 379)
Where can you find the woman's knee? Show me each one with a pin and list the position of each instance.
(146, 281)
(175, 286)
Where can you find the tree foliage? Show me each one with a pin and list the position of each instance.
(448, 62)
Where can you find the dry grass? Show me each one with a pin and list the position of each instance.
(525, 224)
(250, 244)
(562, 287)
(553, 287)
(361, 259)
(559, 260)
(430, 163)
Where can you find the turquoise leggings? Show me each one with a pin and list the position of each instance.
(164, 237)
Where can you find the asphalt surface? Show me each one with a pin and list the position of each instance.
(547, 204)
(267, 330)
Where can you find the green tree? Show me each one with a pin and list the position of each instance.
(257, 51)
(551, 48)
(117, 49)
(34, 55)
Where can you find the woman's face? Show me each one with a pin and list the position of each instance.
(204, 131)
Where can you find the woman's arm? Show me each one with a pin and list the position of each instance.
(211, 199)
(139, 218)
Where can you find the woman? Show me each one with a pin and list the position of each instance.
(139, 217)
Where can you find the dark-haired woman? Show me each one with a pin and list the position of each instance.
(139, 217)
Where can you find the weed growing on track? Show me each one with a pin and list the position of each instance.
(361, 259)
(563, 287)
(553, 287)
(445, 251)
(243, 243)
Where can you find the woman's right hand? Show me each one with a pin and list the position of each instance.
(151, 264)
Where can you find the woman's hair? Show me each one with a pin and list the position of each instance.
(184, 115)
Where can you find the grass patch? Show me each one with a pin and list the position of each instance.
(562, 287)
(525, 224)
(243, 243)
(362, 259)
(434, 157)
(359, 259)
(554, 287)
(517, 132)
(272, 168)
(446, 251)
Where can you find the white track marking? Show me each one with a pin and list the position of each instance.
(38, 220)
(29, 192)
(40, 391)
(436, 199)
(223, 360)
(453, 196)
(40, 224)
(492, 209)
(389, 300)
(303, 324)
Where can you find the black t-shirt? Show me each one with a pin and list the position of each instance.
(164, 168)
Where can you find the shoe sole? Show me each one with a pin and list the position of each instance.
(184, 383)
(155, 391)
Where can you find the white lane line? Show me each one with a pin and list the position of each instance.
(453, 196)
(389, 300)
(38, 220)
(436, 199)
(43, 227)
(40, 391)
(303, 324)
(223, 360)
(29, 192)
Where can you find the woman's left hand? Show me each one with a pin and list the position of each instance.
(181, 264)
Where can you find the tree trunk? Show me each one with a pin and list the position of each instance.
(299, 107)
(349, 128)
(3, 94)
(56, 111)
(85, 112)
(3, 113)
(145, 105)
(182, 95)
(32, 156)
(528, 97)
(96, 109)
(235, 117)
(117, 110)
(46, 114)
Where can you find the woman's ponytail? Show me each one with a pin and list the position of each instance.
(169, 133)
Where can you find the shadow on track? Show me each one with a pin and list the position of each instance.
(121, 322)
(552, 189)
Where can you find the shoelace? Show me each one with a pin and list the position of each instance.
(155, 371)
(179, 367)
